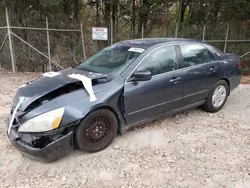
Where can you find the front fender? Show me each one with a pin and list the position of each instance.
(77, 105)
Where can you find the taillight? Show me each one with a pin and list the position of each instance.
(239, 64)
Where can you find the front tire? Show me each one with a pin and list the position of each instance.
(96, 131)
(217, 97)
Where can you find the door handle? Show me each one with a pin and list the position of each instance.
(174, 80)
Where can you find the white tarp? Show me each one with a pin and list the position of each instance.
(87, 83)
(14, 113)
(51, 74)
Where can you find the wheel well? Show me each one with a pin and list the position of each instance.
(111, 110)
(102, 107)
(228, 83)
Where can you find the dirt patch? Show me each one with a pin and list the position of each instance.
(245, 80)
(191, 149)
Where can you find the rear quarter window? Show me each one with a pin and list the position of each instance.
(211, 56)
(219, 55)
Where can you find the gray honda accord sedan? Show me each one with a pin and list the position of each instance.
(122, 86)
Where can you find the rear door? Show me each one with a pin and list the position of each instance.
(161, 94)
(201, 70)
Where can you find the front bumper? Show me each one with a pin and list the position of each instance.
(48, 152)
(51, 152)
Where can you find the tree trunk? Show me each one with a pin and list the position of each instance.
(183, 7)
(107, 10)
(97, 21)
(142, 18)
(66, 7)
(76, 9)
(133, 19)
(114, 5)
(216, 9)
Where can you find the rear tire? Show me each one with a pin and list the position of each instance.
(96, 131)
(217, 97)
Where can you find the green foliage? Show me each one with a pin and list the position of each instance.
(157, 18)
(51, 5)
(2, 3)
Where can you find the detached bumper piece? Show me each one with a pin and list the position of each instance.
(45, 148)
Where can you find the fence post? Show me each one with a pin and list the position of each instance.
(142, 31)
(176, 30)
(83, 44)
(225, 46)
(203, 33)
(10, 41)
(48, 41)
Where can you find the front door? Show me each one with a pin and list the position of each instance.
(200, 72)
(147, 99)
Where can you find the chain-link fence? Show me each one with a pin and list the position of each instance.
(233, 37)
(40, 44)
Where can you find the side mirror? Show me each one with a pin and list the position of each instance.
(142, 76)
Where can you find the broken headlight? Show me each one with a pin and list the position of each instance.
(42, 123)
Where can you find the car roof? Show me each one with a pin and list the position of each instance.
(148, 42)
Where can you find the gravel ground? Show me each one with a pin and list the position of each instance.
(191, 149)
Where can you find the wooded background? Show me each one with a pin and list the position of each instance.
(128, 19)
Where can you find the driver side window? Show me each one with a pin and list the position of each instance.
(160, 61)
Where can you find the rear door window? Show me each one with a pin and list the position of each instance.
(193, 54)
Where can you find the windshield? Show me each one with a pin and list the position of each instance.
(111, 59)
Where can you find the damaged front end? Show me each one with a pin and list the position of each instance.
(45, 113)
(45, 146)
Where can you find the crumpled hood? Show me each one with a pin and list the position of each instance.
(44, 85)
